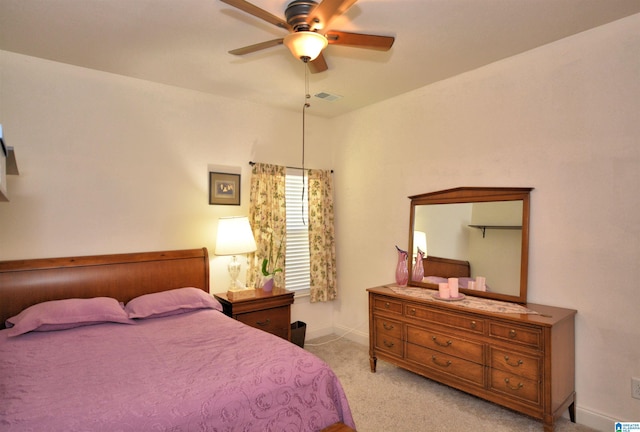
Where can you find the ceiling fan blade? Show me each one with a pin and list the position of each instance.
(256, 47)
(376, 42)
(320, 17)
(318, 65)
(251, 9)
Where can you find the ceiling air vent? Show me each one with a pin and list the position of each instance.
(327, 96)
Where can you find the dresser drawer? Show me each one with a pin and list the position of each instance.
(436, 360)
(464, 349)
(388, 327)
(526, 336)
(460, 321)
(515, 386)
(516, 363)
(275, 320)
(389, 344)
(387, 305)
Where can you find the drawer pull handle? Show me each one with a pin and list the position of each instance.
(518, 363)
(387, 326)
(512, 333)
(263, 323)
(412, 311)
(518, 387)
(435, 360)
(473, 324)
(388, 344)
(387, 305)
(446, 344)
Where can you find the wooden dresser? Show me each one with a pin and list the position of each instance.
(524, 362)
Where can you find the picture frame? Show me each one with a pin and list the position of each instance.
(224, 188)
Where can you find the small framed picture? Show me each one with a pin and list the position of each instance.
(224, 189)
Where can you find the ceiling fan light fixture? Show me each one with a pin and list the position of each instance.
(305, 44)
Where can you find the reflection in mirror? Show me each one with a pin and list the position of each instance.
(472, 233)
(485, 234)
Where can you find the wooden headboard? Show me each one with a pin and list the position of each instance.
(446, 267)
(122, 276)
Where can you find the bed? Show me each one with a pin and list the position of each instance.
(446, 267)
(437, 269)
(134, 342)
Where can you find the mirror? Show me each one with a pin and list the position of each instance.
(473, 233)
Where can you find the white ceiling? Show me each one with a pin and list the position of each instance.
(184, 43)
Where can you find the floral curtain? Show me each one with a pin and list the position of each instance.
(267, 216)
(322, 249)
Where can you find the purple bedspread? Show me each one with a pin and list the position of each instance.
(199, 371)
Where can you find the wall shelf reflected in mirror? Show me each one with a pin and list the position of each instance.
(484, 228)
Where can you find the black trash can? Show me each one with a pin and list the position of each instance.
(298, 330)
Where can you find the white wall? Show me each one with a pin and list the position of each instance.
(562, 119)
(110, 164)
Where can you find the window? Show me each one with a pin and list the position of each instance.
(297, 243)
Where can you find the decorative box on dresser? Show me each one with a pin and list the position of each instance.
(266, 310)
(524, 362)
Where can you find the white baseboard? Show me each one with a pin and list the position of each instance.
(340, 331)
(353, 335)
(310, 335)
(595, 420)
(358, 337)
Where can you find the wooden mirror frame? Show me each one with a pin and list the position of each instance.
(474, 195)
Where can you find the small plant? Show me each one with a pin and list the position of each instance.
(269, 265)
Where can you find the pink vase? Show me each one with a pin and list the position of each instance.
(267, 284)
(402, 273)
(418, 268)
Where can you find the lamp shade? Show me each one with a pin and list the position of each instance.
(305, 44)
(234, 236)
(419, 241)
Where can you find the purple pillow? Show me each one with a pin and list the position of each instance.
(65, 314)
(171, 302)
(435, 279)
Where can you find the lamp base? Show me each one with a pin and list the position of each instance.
(239, 287)
(234, 271)
(241, 295)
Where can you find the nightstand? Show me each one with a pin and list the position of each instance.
(268, 311)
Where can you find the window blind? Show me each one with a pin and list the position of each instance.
(297, 275)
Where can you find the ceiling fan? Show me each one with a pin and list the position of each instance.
(307, 21)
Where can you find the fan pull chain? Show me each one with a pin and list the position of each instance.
(304, 110)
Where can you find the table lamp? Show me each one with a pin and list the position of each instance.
(234, 238)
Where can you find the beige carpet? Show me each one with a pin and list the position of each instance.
(395, 400)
